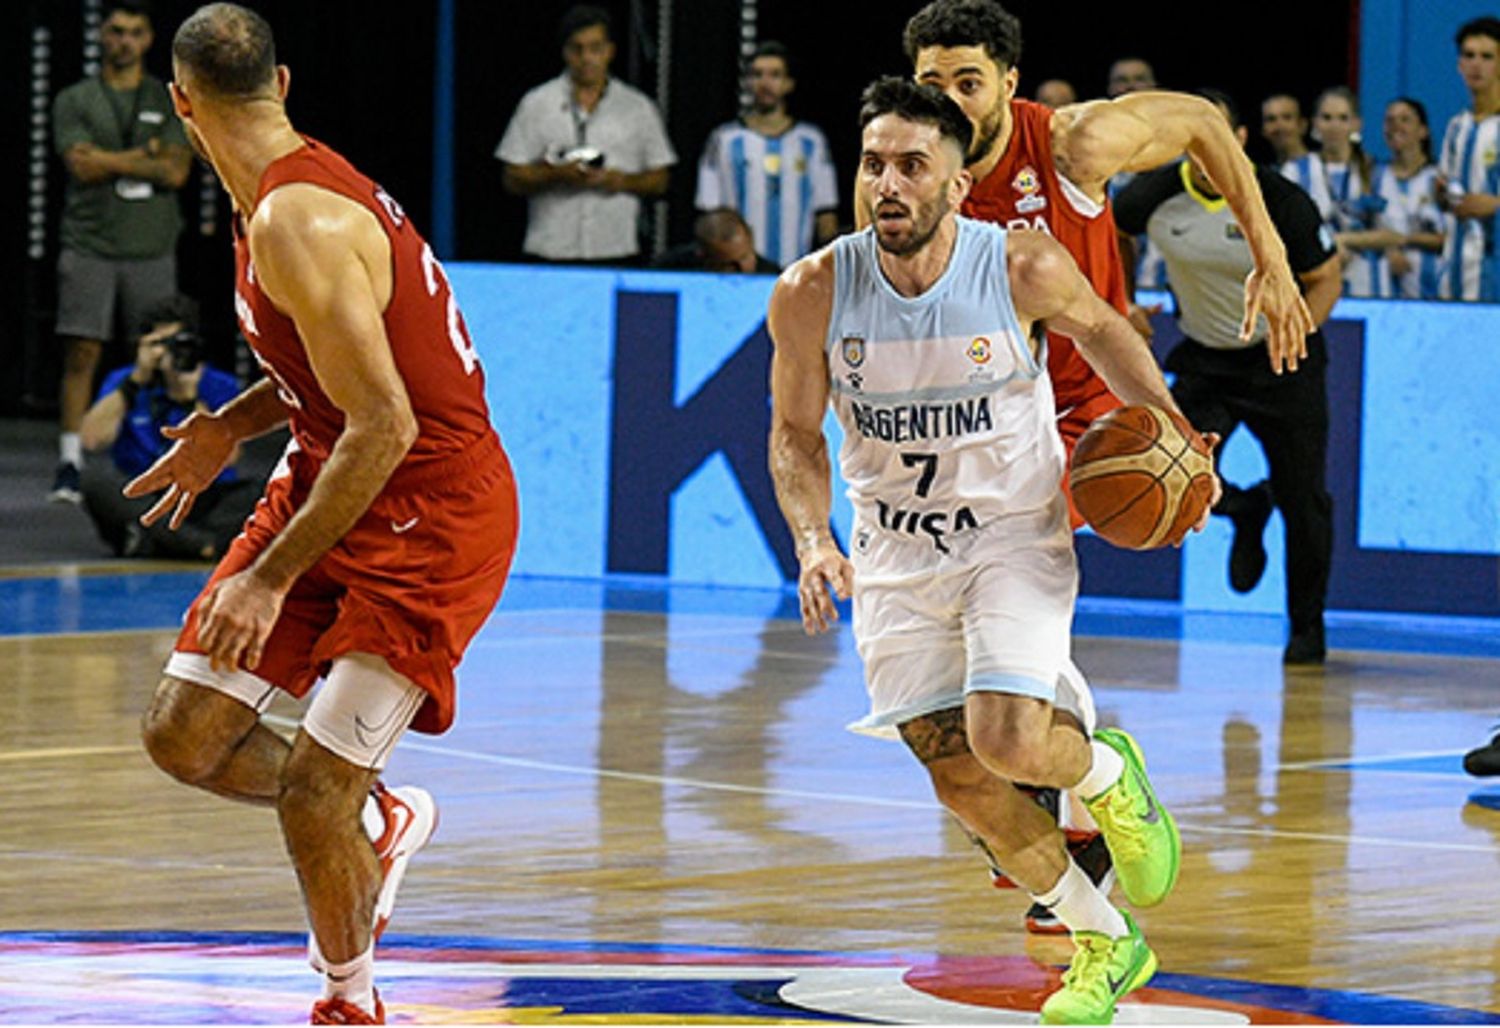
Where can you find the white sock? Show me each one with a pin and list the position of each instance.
(1080, 905)
(354, 981)
(1105, 771)
(70, 449)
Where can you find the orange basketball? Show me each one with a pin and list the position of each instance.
(1141, 477)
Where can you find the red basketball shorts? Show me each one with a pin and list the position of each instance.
(411, 583)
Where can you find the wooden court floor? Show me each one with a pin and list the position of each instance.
(674, 786)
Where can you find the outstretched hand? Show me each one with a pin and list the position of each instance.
(1275, 294)
(203, 448)
(824, 568)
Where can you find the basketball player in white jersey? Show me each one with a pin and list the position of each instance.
(920, 329)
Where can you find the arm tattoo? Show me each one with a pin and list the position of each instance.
(936, 735)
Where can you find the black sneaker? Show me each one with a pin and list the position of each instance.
(1247, 554)
(1090, 853)
(1306, 647)
(65, 485)
(1484, 761)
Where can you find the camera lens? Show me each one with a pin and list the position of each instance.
(186, 349)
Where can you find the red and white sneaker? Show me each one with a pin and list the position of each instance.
(410, 817)
(338, 1010)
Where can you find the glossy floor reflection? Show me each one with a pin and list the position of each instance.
(644, 779)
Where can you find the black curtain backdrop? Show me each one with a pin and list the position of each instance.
(363, 80)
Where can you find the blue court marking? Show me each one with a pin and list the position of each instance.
(1442, 764)
(156, 600)
(1488, 797)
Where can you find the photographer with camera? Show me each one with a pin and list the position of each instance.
(167, 382)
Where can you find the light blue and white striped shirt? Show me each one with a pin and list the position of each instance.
(1411, 208)
(777, 183)
(1338, 192)
(1470, 158)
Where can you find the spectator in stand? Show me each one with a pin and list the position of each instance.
(1338, 177)
(774, 169)
(1283, 127)
(1129, 75)
(1470, 170)
(584, 149)
(721, 242)
(1407, 185)
(1056, 93)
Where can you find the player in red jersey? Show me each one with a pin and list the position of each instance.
(1036, 168)
(383, 540)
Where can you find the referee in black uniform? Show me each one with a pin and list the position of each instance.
(1223, 381)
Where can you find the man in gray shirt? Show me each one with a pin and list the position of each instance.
(126, 155)
(1224, 381)
(584, 148)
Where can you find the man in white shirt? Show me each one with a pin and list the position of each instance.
(584, 149)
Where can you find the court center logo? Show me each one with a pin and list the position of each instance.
(260, 978)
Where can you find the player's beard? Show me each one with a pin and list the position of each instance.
(924, 225)
(986, 132)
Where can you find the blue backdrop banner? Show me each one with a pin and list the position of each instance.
(635, 408)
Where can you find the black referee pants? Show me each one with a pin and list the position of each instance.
(1219, 390)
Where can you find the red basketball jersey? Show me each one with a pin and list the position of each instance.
(428, 338)
(1024, 191)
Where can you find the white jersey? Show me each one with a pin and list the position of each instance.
(948, 416)
(1470, 160)
(777, 183)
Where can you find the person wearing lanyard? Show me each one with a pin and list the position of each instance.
(584, 149)
(126, 155)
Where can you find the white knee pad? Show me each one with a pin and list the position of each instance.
(362, 709)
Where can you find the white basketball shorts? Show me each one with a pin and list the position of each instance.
(994, 614)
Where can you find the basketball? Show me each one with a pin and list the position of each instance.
(1141, 477)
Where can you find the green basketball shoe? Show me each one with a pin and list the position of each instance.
(1141, 835)
(1102, 971)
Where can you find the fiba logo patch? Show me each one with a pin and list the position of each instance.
(980, 350)
(1029, 185)
(854, 350)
